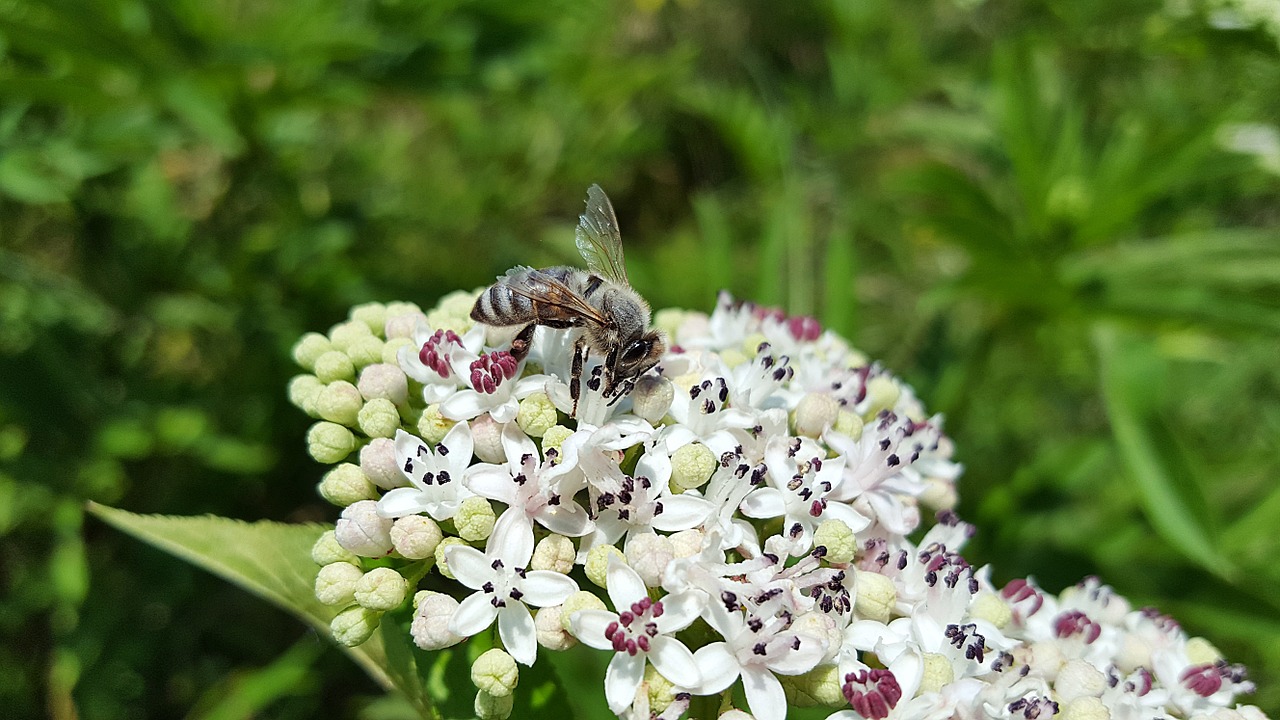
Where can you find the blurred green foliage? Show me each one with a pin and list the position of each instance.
(1032, 210)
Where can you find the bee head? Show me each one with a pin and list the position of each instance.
(640, 354)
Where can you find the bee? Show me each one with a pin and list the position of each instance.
(613, 317)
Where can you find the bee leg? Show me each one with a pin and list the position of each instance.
(520, 346)
(575, 382)
(611, 379)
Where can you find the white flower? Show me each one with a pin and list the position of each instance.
(433, 355)
(494, 386)
(800, 482)
(640, 630)
(436, 475)
(503, 588)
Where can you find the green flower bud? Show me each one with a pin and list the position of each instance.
(648, 554)
(848, 424)
(691, 467)
(495, 672)
(876, 596)
(549, 624)
(554, 437)
(661, 690)
(346, 484)
(329, 442)
(651, 398)
(820, 687)
(838, 539)
(597, 564)
(344, 334)
(751, 344)
(354, 625)
(401, 323)
(327, 551)
(443, 545)
(391, 350)
(333, 366)
(379, 418)
(474, 519)
(415, 536)
(365, 351)
(459, 303)
(493, 707)
(882, 394)
(381, 380)
(938, 494)
(432, 613)
(432, 426)
(381, 589)
(990, 607)
(555, 553)
(581, 600)
(1092, 708)
(339, 402)
(686, 543)
(303, 392)
(669, 320)
(537, 414)
(309, 348)
(373, 315)
(938, 673)
(815, 413)
(336, 583)
(1079, 679)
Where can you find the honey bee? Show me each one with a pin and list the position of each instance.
(613, 317)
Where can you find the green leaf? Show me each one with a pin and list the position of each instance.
(269, 559)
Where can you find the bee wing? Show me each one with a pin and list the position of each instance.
(544, 289)
(598, 238)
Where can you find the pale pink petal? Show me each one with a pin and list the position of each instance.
(519, 636)
(621, 679)
(545, 587)
(474, 613)
(674, 661)
(493, 482)
(589, 626)
(764, 694)
(469, 565)
(623, 584)
(681, 512)
(678, 611)
(718, 668)
(764, 502)
(512, 538)
(404, 501)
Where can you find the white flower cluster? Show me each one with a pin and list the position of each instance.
(743, 517)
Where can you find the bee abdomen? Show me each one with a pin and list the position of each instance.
(498, 305)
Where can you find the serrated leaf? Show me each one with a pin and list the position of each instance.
(269, 559)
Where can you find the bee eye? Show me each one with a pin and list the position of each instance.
(636, 351)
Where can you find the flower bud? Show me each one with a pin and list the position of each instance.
(381, 589)
(493, 707)
(336, 583)
(339, 402)
(327, 551)
(815, 413)
(938, 672)
(691, 467)
(848, 424)
(459, 302)
(354, 625)
(733, 357)
(736, 714)
(1134, 652)
(415, 537)
(362, 531)
(379, 418)
(486, 433)
(823, 627)
(876, 596)
(333, 366)
(391, 350)
(443, 545)
(388, 382)
(378, 463)
(550, 626)
(751, 343)
(990, 607)
(303, 392)
(686, 543)
(648, 554)
(839, 540)
(365, 351)
(474, 519)
(1202, 652)
(346, 484)
(372, 314)
(309, 348)
(938, 494)
(1079, 679)
(1088, 708)
(554, 553)
(537, 414)
(554, 437)
(401, 321)
(495, 672)
(651, 398)
(597, 564)
(433, 612)
(820, 687)
(661, 691)
(432, 426)
(882, 394)
(343, 334)
(581, 600)
(329, 442)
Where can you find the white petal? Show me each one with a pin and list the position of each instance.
(681, 512)
(764, 694)
(474, 613)
(464, 405)
(655, 465)
(519, 636)
(459, 447)
(802, 659)
(506, 412)
(765, 502)
(403, 501)
(493, 482)
(512, 538)
(545, 587)
(469, 565)
(718, 668)
(568, 519)
(516, 445)
(850, 517)
(589, 626)
(437, 391)
(678, 611)
(624, 584)
(621, 679)
(412, 447)
(674, 661)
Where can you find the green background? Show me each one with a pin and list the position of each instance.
(1032, 211)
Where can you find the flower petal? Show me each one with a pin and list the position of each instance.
(678, 611)
(655, 465)
(464, 405)
(568, 519)
(718, 668)
(589, 626)
(474, 613)
(764, 694)
(493, 482)
(506, 412)
(765, 502)
(545, 587)
(673, 660)
(519, 636)
(681, 512)
(403, 501)
(512, 538)
(469, 565)
(459, 448)
(623, 584)
(621, 679)
(845, 513)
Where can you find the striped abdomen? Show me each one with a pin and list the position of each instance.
(525, 295)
